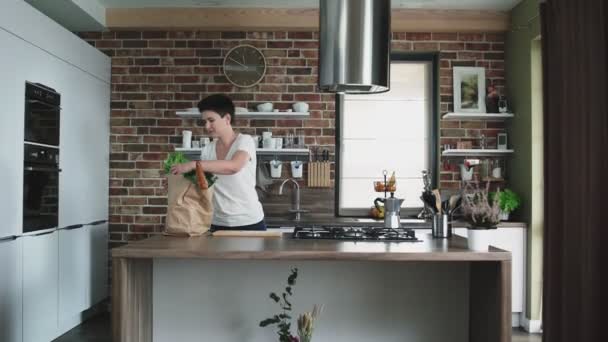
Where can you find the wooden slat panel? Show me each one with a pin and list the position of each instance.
(132, 300)
(307, 19)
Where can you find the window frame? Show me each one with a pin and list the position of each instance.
(433, 58)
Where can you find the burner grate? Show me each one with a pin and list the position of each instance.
(355, 233)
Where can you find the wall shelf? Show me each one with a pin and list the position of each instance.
(262, 153)
(478, 116)
(253, 115)
(475, 152)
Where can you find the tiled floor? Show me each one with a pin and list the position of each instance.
(97, 329)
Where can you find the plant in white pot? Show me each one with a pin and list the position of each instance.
(482, 214)
(508, 202)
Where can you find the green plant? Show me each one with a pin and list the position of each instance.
(480, 209)
(179, 158)
(283, 319)
(507, 200)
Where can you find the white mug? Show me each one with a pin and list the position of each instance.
(278, 143)
(186, 139)
(497, 172)
(266, 135)
(268, 143)
(205, 142)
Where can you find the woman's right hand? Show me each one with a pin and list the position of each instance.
(179, 169)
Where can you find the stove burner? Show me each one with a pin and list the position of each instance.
(354, 233)
(310, 234)
(362, 233)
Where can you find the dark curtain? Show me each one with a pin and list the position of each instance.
(574, 34)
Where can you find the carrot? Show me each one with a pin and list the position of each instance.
(200, 177)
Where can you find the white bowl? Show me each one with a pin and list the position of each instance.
(300, 107)
(265, 107)
(240, 109)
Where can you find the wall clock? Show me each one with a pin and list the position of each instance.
(244, 66)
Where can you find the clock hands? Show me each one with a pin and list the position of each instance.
(237, 62)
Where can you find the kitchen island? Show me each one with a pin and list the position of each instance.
(216, 289)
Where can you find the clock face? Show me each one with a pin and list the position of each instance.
(244, 66)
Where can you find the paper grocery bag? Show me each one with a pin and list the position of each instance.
(190, 209)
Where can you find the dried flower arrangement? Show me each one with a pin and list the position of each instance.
(479, 210)
(283, 320)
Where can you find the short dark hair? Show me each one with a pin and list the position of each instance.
(218, 103)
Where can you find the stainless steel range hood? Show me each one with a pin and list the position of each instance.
(354, 51)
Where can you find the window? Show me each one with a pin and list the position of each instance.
(393, 131)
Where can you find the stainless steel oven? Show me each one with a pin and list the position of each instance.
(42, 111)
(40, 188)
(41, 158)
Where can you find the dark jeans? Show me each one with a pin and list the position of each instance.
(256, 226)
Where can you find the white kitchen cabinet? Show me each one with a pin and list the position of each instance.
(84, 146)
(98, 240)
(11, 295)
(40, 287)
(512, 239)
(11, 139)
(74, 250)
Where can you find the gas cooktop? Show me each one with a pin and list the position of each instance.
(355, 233)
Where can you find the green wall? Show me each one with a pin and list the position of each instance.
(523, 74)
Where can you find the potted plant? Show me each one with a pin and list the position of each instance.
(482, 212)
(508, 202)
(305, 322)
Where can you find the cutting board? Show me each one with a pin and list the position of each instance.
(248, 233)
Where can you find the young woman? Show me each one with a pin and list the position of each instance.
(231, 157)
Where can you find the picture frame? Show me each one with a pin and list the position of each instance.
(469, 89)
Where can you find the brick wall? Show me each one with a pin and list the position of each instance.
(155, 73)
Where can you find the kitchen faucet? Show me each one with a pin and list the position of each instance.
(295, 198)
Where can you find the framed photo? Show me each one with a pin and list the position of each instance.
(469, 89)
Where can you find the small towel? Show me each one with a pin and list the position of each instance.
(262, 177)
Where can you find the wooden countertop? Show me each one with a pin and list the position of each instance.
(286, 248)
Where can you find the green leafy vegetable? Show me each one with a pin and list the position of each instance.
(508, 200)
(179, 158)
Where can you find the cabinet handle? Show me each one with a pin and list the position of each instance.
(8, 238)
(74, 226)
(94, 223)
(45, 233)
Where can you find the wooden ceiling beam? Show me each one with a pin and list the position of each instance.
(265, 19)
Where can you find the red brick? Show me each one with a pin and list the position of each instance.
(473, 37)
(478, 46)
(418, 36)
(444, 36)
(431, 46)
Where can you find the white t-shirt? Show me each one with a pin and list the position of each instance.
(235, 200)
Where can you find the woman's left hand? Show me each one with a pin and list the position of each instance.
(179, 169)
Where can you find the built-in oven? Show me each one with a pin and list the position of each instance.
(42, 111)
(41, 158)
(40, 188)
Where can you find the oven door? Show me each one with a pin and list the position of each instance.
(40, 197)
(41, 122)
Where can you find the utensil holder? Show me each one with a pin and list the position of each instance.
(442, 226)
(296, 169)
(275, 168)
